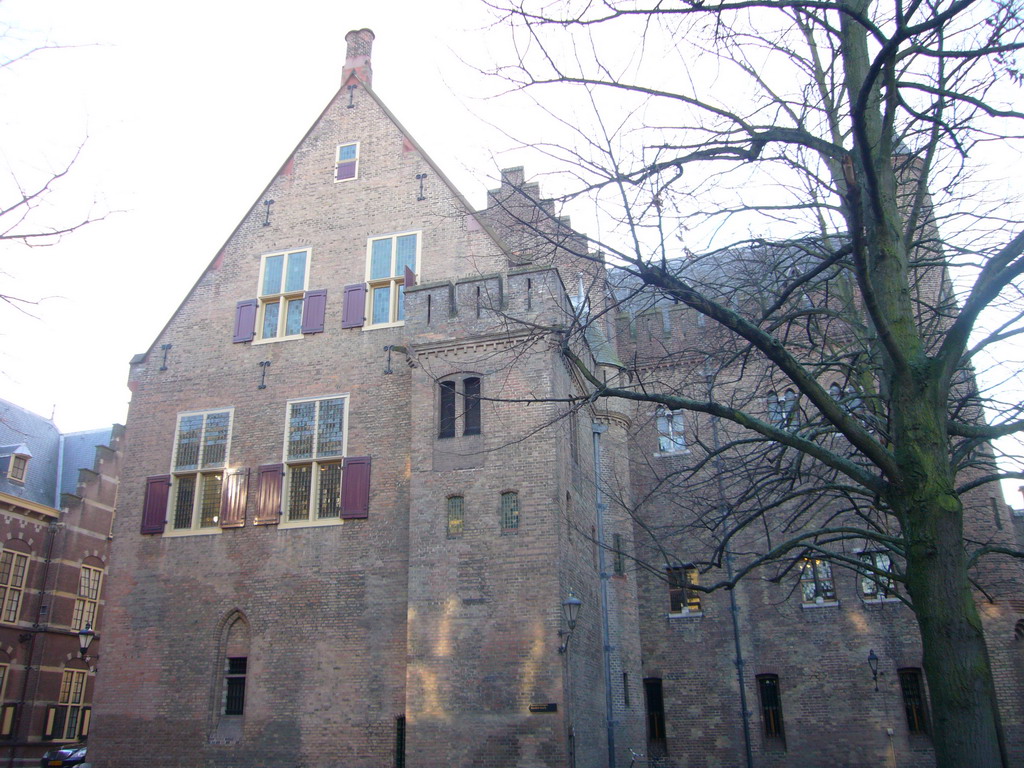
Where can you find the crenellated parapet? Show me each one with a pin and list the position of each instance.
(519, 301)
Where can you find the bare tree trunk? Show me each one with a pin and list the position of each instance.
(965, 727)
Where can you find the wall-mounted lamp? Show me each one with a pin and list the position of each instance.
(570, 609)
(85, 636)
(873, 663)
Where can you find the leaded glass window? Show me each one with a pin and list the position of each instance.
(816, 582)
(388, 259)
(509, 512)
(456, 519)
(200, 455)
(314, 447)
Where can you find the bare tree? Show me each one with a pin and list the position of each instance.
(833, 356)
(27, 217)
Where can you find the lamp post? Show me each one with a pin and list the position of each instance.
(571, 610)
(873, 663)
(85, 636)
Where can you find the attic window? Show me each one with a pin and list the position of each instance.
(347, 166)
(19, 468)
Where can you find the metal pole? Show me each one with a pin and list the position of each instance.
(598, 429)
(734, 609)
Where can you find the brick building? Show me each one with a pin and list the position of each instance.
(57, 494)
(355, 501)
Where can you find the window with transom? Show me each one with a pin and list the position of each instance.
(388, 260)
(816, 583)
(68, 720)
(671, 431)
(88, 600)
(874, 585)
(200, 455)
(682, 597)
(13, 567)
(283, 279)
(314, 458)
(347, 162)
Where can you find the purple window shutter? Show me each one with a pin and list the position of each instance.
(245, 320)
(313, 310)
(354, 304)
(154, 508)
(233, 499)
(355, 488)
(410, 278)
(268, 507)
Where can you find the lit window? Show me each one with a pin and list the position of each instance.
(771, 706)
(66, 721)
(234, 685)
(816, 582)
(873, 585)
(682, 598)
(283, 279)
(912, 688)
(347, 166)
(19, 468)
(88, 597)
(671, 435)
(387, 260)
(13, 567)
(200, 455)
(509, 512)
(456, 520)
(314, 454)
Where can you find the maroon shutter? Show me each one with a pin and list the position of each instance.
(268, 505)
(7, 714)
(313, 310)
(355, 488)
(410, 278)
(50, 722)
(154, 508)
(354, 304)
(232, 500)
(245, 320)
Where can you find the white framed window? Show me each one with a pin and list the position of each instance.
(200, 456)
(671, 431)
(13, 568)
(346, 166)
(387, 259)
(88, 600)
(315, 435)
(816, 583)
(283, 281)
(19, 468)
(68, 720)
(874, 586)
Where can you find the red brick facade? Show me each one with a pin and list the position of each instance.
(416, 621)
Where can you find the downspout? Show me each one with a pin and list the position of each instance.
(60, 473)
(734, 610)
(598, 429)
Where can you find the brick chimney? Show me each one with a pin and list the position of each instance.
(357, 59)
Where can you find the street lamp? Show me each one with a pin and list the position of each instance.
(570, 609)
(85, 636)
(873, 663)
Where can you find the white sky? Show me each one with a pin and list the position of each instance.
(186, 111)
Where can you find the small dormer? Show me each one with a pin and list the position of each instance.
(14, 462)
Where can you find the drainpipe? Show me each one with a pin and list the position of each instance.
(734, 610)
(598, 429)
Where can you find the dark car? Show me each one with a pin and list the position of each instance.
(64, 757)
